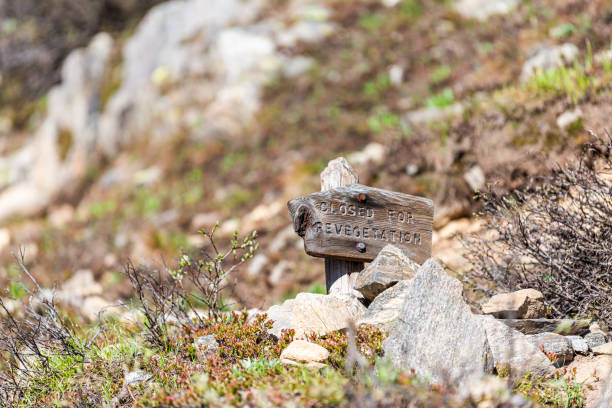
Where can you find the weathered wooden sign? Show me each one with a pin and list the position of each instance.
(354, 222)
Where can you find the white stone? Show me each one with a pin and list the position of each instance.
(396, 74)
(256, 265)
(5, 238)
(81, 284)
(433, 114)
(604, 349)
(483, 9)
(568, 118)
(374, 152)
(305, 352)
(94, 306)
(314, 313)
(475, 178)
(578, 344)
(548, 58)
(280, 270)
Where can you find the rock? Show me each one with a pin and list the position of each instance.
(297, 66)
(488, 391)
(204, 220)
(437, 335)
(135, 378)
(262, 215)
(93, 306)
(304, 352)
(591, 372)
(384, 312)
(579, 345)
(313, 365)
(525, 304)
(513, 353)
(5, 238)
(290, 362)
(338, 173)
(483, 9)
(598, 327)
(434, 114)
(396, 74)
(548, 58)
(390, 3)
(475, 178)
(390, 266)
(81, 284)
(374, 152)
(557, 347)
(568, 118)
(206, 346)
(257, 264)
(60, 216)
(39, 171)
(604, 349)
(315, 313)
(595, 339)
(279, 270)
(560, 326)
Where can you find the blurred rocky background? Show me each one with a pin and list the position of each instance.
(127, 126)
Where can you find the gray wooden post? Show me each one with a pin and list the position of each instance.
(337, 271)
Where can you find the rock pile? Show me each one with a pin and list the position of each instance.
(433, 331)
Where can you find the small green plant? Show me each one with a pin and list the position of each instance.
(411, 8)
(372, 22)
(440, 74)
(563, 30)
(559, 391)
(196, 281)
(442, 99)
(377, 87)
(383, 121)
(101, 208)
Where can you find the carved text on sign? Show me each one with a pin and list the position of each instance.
(354, 222)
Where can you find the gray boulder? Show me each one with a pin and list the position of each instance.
(595, 339)
(513, 354)
(579, 345)
(384, 312)
(206, 346)
(554, 345)
(437, 335)
(390, 266)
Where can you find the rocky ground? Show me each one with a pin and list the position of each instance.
(223, 110)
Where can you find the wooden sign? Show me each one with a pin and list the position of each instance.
(354, 222)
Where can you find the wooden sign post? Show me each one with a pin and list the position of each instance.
(348, 224)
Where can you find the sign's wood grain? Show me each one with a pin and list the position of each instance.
(355, 222)
(339, 273)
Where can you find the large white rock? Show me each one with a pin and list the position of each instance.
(315, 313)
(437, 334)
